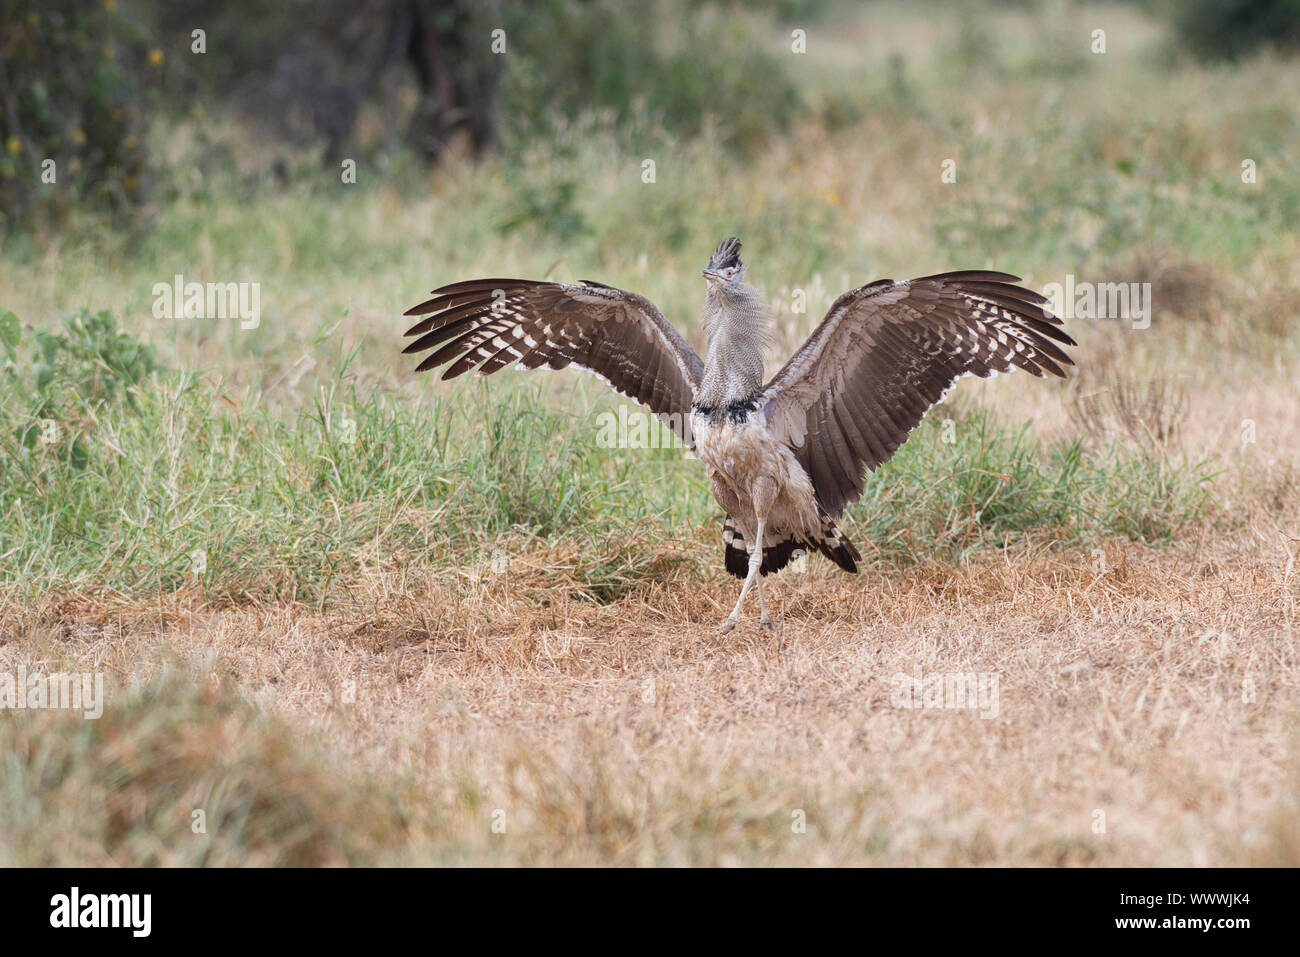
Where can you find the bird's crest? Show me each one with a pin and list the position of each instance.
(727, 254)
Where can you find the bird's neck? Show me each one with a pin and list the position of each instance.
(733, 366)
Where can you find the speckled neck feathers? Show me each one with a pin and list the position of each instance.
(735, 320)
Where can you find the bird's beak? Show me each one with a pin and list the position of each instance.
(710, 275)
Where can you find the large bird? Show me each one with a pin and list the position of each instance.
(783, 458)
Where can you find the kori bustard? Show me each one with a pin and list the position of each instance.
(786, 457)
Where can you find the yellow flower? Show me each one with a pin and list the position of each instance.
(14, 145)
(155, 57)
(130, 143)
(110, 5)
(78, 137)
(107, 53)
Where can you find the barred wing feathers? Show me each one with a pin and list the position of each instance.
(619, 335)
(888, 351)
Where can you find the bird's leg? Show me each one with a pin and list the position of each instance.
(762, 496)
(755, 563)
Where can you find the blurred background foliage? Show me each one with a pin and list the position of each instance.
(77, 83)
(82, 83)
(290, 454)
(1228, 29)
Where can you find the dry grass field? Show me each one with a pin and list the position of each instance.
(1159, 694)
(348, 615)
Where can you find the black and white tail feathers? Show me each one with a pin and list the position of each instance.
(832, 544)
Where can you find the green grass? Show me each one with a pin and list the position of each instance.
(1067, 163)
(155, 480)
(993, 484)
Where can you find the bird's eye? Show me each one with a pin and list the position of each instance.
(728, 273)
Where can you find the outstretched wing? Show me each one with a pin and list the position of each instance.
(620, 336)
(885, 353)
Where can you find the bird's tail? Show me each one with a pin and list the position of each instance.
(831, 543)
(836, 547)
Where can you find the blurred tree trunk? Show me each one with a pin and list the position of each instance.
(450, 46)
(306, 69)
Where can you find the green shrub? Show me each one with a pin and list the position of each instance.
(64, 376)
(75, 91)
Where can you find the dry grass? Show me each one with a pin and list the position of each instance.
(1158, 688)
(1146, 409)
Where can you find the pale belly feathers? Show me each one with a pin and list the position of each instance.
(736, 455)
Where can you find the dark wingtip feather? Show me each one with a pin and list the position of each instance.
(446, 296)
(1005, 290)
(971, 275)
(479, 285)
(454, 370)
(429, 305)
(844, 555)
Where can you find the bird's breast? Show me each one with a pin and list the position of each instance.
(732, 445)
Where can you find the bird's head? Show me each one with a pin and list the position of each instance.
(733, 309)
(725, 271)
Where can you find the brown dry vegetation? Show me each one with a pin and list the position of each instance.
(1158, 688)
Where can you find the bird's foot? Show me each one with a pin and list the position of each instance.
(727, 624)
(767, 624)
